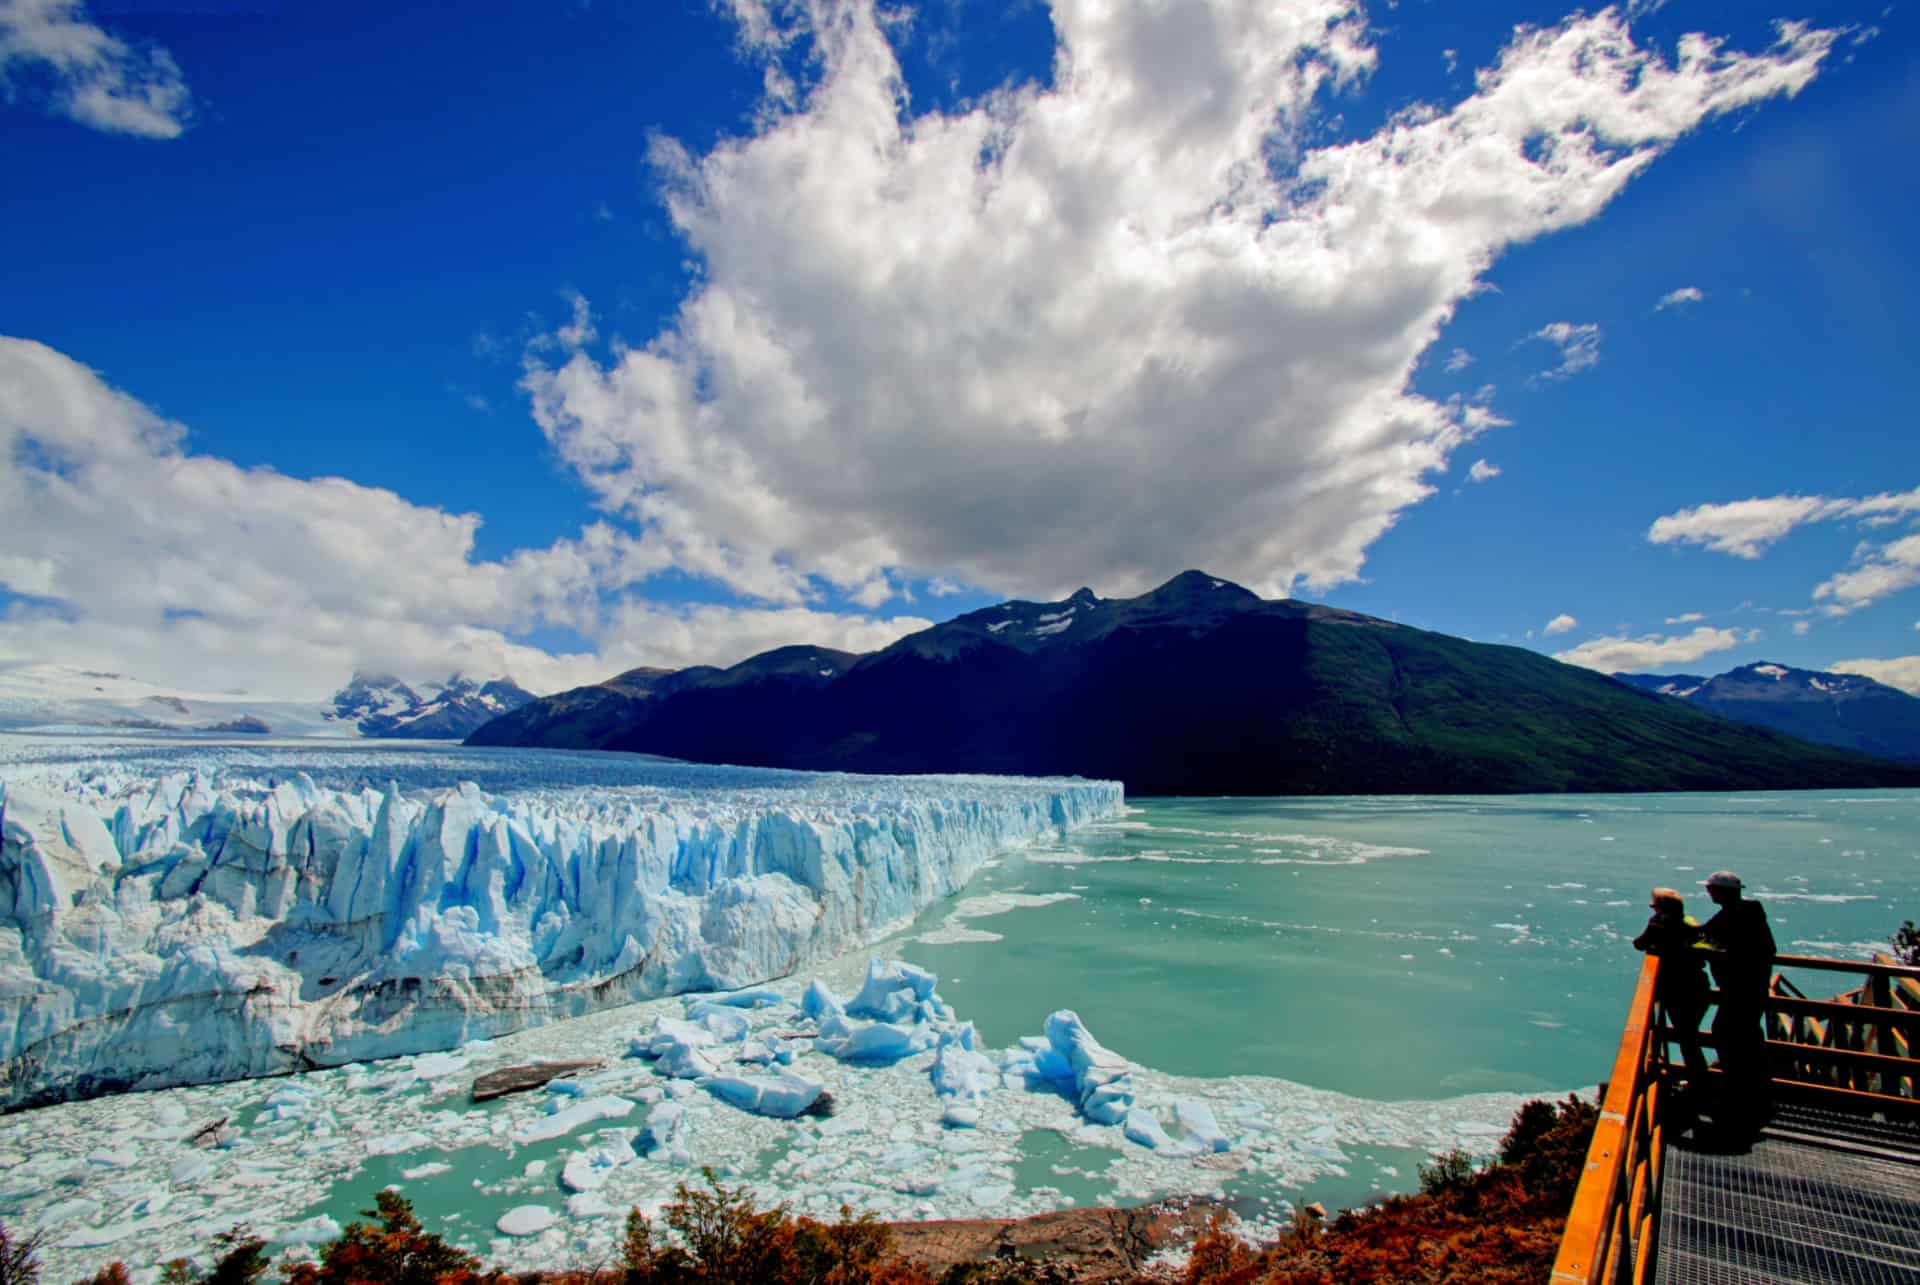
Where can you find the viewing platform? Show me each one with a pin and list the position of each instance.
(1828, 1189)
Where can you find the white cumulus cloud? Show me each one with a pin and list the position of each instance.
(1579, 347)
(1483, 471)
(1614, 655)
(133, 553)
(1560, 624)
(89, 74)
(1055, 336)
(1897, 671)
(1676, 298)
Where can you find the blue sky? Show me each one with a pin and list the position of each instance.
(566, 338)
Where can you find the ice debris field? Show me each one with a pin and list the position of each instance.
(176, 915)
(923, 1123)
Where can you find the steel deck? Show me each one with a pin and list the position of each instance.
(1818, 1197)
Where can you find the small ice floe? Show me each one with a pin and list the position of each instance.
(782, 1096)
(568, 1119)
(526, 1220)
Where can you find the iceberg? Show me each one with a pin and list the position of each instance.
(257, 912)
(1095, 1077)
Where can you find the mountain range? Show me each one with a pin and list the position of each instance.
(1198, 686)
(1847, 710)
(382, 705)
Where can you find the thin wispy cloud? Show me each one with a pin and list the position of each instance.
(1579, 346)
(1680, 298)
(53, 53)
(1483, 471)
(1459, 359)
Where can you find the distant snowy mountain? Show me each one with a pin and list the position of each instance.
(69, 696)
(1846, 710)
(382, 705)
(369, 705)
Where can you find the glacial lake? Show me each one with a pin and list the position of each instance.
(1350, 984)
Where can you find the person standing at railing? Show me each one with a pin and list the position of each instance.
(1681, 988)
(1739, 945)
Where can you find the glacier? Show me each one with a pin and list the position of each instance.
(184, 914)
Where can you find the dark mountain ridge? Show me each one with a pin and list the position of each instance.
(1198, 686)
(1851, 711)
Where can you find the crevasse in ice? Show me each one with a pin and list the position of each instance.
(221, 922)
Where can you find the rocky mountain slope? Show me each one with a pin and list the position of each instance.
(382, 705)
(1851, 711)
(1196, 687)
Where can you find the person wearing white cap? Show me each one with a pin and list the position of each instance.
(1740, 950)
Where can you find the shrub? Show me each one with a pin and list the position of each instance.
(111, 1274)
(19, 1258)
(396, 1252)
(1906, 944)
(1450, 1171)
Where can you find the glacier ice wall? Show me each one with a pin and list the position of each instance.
(224, 921)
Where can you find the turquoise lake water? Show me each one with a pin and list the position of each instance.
(1404, 947)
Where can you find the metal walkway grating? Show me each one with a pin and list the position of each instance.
(1820, 1197)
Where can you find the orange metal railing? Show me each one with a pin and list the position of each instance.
(1610, 1230)
(1859, 1051)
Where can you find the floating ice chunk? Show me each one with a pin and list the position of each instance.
(314, 1231)
(566, 1121)
(588, 1204)
(756, 998)
(819, 1003)
(728, 1025)
(1200, 1134)
(112, 1159)
(960, 1071)
(1098, 1079)
(895, 991)
(392, 1144)
(588, 1170)
(783, 1096)
(94, 1237)
(959, 1117)
(526, 1220)
(1198, 1125)
(427, 1170)
(190, 1168)
(663, 1128)
(169, 1115)
(878, 1043)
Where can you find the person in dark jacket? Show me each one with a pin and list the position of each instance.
(1739, 947)
(1681, 987)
